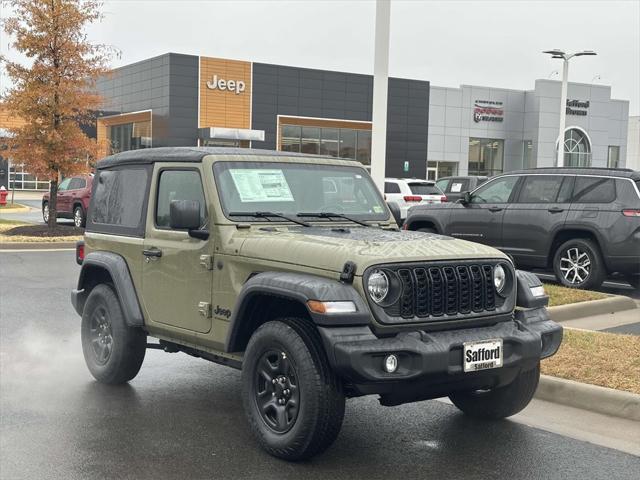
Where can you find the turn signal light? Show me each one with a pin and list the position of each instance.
(412, 198)
(631, 212)
(331, 307)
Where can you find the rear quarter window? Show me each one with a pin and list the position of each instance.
(594, 190)
(119, 201)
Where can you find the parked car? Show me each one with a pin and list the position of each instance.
(454, 187)
(582, 222)
(292, 272)
(73, 197)
(407, 192)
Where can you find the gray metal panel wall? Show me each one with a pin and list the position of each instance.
(168, 85)
(282, 90)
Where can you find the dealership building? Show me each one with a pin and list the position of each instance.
(187, 100)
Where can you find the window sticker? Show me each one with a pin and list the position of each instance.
(456, 187)
(259, 185)
(377, 209)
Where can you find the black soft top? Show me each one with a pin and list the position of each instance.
(609, 172)
(186, 154)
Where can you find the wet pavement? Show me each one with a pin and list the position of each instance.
(182, 417)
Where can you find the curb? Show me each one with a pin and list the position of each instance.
(589, 397)
(20, 209)
(573, 311)
(35, 245)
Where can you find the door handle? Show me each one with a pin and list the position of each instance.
(555, 210)
(495, 209)
(153, 252)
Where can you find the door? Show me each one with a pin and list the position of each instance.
(481, 219)
(538, 212)
(432, 174)
(177, 270)
(63, 203)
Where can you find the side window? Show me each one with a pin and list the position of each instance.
(459, 185)
(496, 191)
(391, 187)
(443, 184)
(178, 185)
(64, 185)
(77, 183)
(594, 190)
(540, 189)
(119, 201)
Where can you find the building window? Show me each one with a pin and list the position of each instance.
(527, 154)
(614, 156)
(129, 136)
(486, 156)
(349, 143)
(441, 169)
(577, 149)
(22, 180)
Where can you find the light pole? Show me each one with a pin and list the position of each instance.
(556, 53)
(380, 89)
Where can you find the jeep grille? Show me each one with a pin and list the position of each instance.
(444, 291)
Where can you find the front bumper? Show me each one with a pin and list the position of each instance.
(430, 364)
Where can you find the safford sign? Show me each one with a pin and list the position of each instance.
(488, 111)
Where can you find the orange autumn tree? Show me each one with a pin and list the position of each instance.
(55, 93)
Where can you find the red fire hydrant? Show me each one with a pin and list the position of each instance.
(3, 195)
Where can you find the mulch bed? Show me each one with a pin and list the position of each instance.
(44, 231)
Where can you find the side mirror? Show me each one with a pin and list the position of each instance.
(185, 215)
(466, 198)
(395, 211)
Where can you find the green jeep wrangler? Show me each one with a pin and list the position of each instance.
(291, 268)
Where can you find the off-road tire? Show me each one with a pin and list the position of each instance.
(321, 401)
(427, 230)
(128, 344)
(499, 402)
(45, 212)
(597, 272)
(78, 214)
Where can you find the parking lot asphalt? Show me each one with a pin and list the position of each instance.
(182, 417)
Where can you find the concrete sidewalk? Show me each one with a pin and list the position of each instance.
(627, 321)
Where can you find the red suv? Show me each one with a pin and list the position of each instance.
(74, 194)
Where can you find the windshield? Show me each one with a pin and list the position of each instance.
(293, 188)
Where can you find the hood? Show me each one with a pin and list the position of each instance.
(329, 248)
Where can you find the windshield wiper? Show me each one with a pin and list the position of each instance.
(268, 215)
(331, 215)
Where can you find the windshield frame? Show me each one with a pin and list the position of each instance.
(275, 162)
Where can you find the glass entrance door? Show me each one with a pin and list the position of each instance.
(432, 174)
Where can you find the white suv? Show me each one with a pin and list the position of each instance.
(408, 192)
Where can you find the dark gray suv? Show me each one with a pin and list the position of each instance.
(582, 222)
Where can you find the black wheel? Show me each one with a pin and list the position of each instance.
(578, 264)
(499, 402)
(79, 219)
(427, 230)
(112, 350)
(45, 212)
(292, 399)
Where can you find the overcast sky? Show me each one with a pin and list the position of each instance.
(490, 43)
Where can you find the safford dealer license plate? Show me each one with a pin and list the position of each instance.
(482, 355)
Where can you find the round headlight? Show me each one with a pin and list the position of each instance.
(378, 286)
(499, 278)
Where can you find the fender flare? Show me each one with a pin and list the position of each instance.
(298, 288)
(116, 266)
(419, 218)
